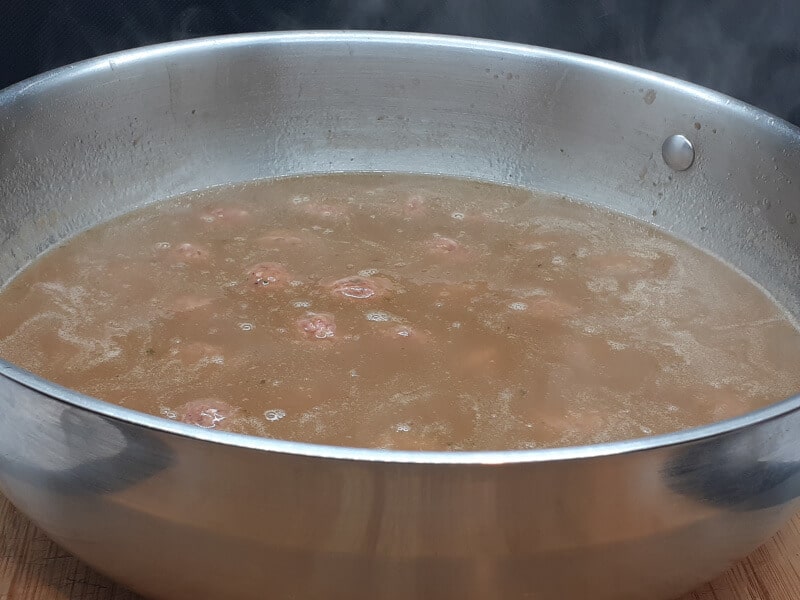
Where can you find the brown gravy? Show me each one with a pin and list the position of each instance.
(399, 311)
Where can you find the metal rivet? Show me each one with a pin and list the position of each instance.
(678, 152)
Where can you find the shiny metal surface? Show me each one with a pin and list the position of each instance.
(678, 152)
(182, 513)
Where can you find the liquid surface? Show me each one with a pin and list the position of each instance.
(400, 312)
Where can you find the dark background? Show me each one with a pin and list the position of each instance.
(749, 49)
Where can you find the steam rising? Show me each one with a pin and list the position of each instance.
(748, 49)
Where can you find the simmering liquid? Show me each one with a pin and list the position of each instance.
(402, 312)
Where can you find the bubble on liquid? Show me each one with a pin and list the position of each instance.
(168, 413)
(217, 360)
(455, 325)
(617, 345)
(646, 430)
(274, 414)
(301, 304)
(368, 272)
(277, 383)
(558, 260)
(438, 304)
(300, 199)
(327, 231)
(295, 283)
(208, 219)
(353, 373)
(518, 306)
(458, 216)
(246, 326)
(403, 332)
(163, 245)
(402, 427)
(672, 408)
(378, 316)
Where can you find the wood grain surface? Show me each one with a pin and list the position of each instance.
(34, 568)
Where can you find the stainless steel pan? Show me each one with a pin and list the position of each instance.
(181, 513)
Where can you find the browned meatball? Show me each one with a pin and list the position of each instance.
(359, 288)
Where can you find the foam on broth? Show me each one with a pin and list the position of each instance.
(400, 311)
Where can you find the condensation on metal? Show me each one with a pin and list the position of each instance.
(678, 152)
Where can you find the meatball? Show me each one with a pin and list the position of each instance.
(359, 288)
(207, 413)
(188, 252)
(317, 326)
(414, 207)
(226, 215)
(441, 246)
(408, 437)
(268, 275)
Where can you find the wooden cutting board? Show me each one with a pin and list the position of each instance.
(33, 568)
